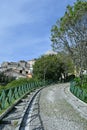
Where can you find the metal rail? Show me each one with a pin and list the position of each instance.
(80, 93)
(11, 96)
(19, 116)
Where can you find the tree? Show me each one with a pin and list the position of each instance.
(5, 79)
(70, 33)
(52, 67)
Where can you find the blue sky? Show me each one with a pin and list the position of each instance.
(25, 27)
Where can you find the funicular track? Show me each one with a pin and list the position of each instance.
(23, 114)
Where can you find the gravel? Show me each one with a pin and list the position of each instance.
(54, 108)
(58, 114)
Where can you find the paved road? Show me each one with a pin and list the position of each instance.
(54, 109)
(56, 113)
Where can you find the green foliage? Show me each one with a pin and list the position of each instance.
(70, 33)
(78, 81)
(52, 67)
(73, 14)
(71, 17)
(16, 90)
(79, 91)
(5, 79)
(82, 83)
(1, 87)
(70, 78)
(18, 82)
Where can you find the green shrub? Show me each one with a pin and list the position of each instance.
(81, 82)
(18, 82)
(70, 78)
(5, 79)
(78, 81)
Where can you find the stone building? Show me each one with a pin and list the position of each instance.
(14, 73)
(31, 63)
(18, 69)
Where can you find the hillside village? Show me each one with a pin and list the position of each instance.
(21, 69)
(18, 69)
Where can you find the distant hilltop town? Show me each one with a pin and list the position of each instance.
(18, 69)
(22, 68)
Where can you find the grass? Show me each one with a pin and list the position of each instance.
(18, 82)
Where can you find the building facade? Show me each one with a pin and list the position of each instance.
(18, 69)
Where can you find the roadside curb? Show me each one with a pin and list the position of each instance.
(77, 104)
(11, 107)
(28, 106)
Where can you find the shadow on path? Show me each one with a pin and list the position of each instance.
(32, 119)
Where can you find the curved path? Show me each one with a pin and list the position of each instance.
(56, 113)
(54, 108)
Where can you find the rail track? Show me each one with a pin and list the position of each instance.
(24, 115)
